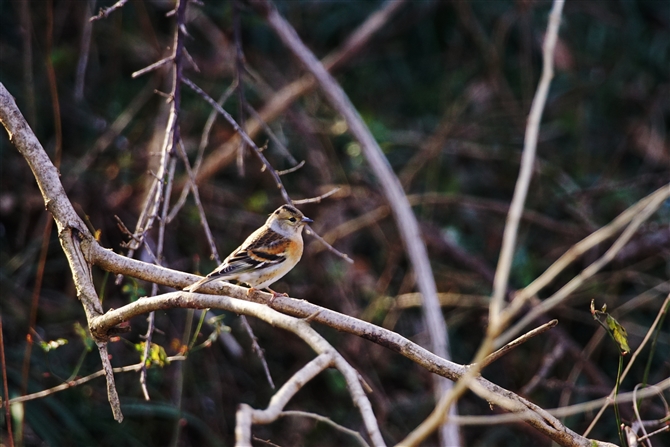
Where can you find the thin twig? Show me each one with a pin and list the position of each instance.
(239, 69)
(214, 254)
(638, 419)
(190, 61)
(290, 170)
(317, 199)
(517, 342)
(608, 401)
(204, 141)
(354, 434)
(259, 154)
(256, 348)
(5, 388)
(82, 380)
(329, 247)
(104, 12)
(275, 139)
(246, 138)
(549, 360)
(82, 63)
(153, 66)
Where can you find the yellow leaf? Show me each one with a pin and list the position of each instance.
(619, 334)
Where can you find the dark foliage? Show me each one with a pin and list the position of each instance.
(459, 74)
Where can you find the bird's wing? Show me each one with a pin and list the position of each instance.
(263, 249)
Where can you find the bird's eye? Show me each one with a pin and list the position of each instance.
(292, 219)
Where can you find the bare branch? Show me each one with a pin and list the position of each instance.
(82, 380)
(653, 202)
(402, 211)
(517, 342)
(104, 12)
(232, 301)
(569, 410)
(317, 199)
(70, 227)
(290, 170)
(259, 153)
(154, 66)
(246, 415)
(509, 239)
(523, 182)
(261, 311)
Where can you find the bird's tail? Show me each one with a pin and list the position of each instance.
(196, 285)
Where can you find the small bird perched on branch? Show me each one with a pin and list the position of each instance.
(266, 255)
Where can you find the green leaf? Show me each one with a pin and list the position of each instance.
(84, 335)
(157, 354)
(52, 344)
(619, 334)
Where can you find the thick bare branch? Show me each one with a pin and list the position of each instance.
(70, 227)
(246, 415)
(297, 326)
(233, 301)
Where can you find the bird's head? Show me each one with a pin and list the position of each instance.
(287, 220)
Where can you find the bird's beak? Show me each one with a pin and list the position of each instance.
(306, 220)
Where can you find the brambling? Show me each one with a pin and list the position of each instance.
(266, 255)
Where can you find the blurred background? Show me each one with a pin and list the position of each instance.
(445, 88)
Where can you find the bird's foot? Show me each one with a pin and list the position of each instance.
(275, 295)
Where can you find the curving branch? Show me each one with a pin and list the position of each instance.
(408, 226)
(523, 181)
(282, 99)
(298, 326)
(68, 223)
(246, 415)
(108, 260)
(500, 281)
(81, 250)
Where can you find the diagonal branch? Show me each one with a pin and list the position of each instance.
(527, 161)
(509, 239)
(283, 99)
(395, 195)
(70, 226)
